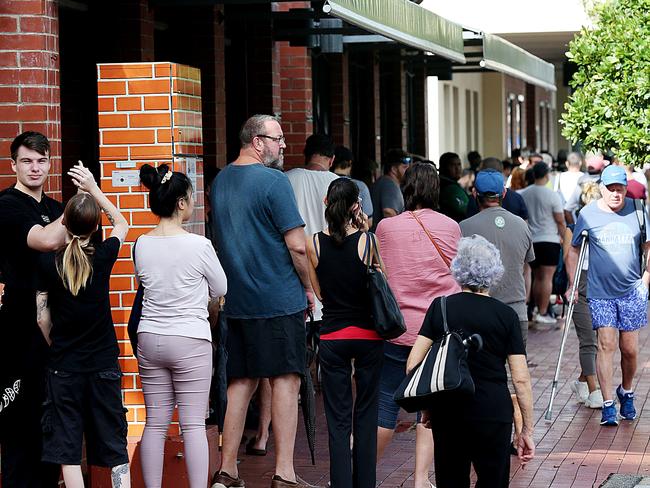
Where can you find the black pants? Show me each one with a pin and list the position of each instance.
(21, 441)
(459, 444)
(356, 470)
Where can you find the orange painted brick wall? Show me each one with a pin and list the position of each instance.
(29, 82)
(148, 113)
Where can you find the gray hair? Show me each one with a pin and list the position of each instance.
(254, 126)
(574, 159)
(477, 264)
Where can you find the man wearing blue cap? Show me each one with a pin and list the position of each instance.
(509, 234)
(617, 290)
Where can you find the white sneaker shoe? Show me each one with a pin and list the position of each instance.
(594, 400)
(545, 319)
(581, 391)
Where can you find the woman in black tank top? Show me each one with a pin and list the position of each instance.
(338, 274)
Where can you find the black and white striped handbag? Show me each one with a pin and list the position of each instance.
(444, 371)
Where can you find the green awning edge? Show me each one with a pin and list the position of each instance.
(405, 22)
(501, 55)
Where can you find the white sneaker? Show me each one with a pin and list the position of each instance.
(545, 319)
(594, 400)
(581, 391)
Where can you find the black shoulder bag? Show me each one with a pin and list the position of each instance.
(444, 370)
(136, 314)
(385, 312)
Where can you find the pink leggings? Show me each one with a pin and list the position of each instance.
(175, 370)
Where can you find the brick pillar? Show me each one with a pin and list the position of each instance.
(29, 82)
(340, 99)
(294, 68)
(148, 113)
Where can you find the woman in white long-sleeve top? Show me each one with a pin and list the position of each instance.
(180, 273)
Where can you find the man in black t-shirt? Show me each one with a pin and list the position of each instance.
(30, 222)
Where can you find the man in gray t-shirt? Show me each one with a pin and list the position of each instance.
(547, 228)
(387, 198)
(509, 234)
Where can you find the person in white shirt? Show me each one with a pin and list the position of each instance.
(310, 186)
(569, 179)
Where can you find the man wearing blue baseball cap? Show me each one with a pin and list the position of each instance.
(617, 289)
(509, 234)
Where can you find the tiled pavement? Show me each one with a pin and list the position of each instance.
(572, 450)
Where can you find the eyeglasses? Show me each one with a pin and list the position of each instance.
(279, 139)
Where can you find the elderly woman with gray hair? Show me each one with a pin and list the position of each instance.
(482, 425)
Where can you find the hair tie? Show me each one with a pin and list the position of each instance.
(166, 178)
(76, 237)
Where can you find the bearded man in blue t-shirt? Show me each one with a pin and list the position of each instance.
(617, 290)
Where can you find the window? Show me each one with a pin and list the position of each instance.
(515, 137)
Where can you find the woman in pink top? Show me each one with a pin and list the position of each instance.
(416, 247)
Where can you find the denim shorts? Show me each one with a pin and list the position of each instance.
(627, 313)
(393, 373)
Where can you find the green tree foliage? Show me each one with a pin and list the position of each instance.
(610, 106)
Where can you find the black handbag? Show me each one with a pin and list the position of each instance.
(444, 371)
(136, 314)
(384, 310)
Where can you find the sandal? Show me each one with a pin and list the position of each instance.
(252, 451)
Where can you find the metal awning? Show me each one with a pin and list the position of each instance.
(501, 55)
(489, 52)
(405, 22)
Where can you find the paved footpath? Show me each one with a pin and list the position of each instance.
(573, 450)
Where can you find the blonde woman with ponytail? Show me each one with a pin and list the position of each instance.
(74, 314)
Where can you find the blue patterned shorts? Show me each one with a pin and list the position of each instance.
(627, 313)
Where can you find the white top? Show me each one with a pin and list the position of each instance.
(568, 183)
(542, 203)
(310, 188)
(178, 273)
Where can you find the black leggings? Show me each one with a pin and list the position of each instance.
(461, 443)
(356, 469)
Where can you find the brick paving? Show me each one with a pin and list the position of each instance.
(573, 450)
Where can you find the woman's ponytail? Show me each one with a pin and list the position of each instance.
(81, 218)
(75, 267)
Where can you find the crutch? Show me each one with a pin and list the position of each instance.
(567, 322)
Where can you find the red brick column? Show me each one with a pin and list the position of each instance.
(148, 113)
(294, 69)
(29, 81)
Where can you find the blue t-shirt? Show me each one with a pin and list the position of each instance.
(252, 208)
(614, 247)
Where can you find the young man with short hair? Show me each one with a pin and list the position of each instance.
(30, 222)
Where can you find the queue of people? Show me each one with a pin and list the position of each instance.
(293, 243)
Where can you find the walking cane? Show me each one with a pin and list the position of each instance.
(567, 322)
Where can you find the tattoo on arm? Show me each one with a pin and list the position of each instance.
(41, 305)
(109, 216)
(117, 473)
